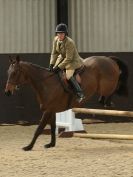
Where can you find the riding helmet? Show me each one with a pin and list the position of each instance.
(61, 28)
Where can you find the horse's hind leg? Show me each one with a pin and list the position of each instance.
(39, 130)
(101, 100)
(106, 101)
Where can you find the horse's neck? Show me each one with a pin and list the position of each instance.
(38, 78)
(34, 72)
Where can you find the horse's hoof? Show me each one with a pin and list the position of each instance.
(49, 145)
(109, 105)
(8, 93)
(27, 148)
(112, 104)
(101, 102)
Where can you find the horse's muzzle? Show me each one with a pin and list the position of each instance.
(9, 89)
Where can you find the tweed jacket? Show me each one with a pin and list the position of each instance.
(65, 55)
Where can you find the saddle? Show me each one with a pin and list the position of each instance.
(64, 81)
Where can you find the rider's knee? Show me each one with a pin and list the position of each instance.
(69, 74)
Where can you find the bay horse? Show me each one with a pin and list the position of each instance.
(102, 75)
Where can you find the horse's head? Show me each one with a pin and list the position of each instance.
(15, 76)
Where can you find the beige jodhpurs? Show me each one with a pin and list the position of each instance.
(69, 73)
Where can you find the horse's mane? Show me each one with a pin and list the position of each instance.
(34, 65)
(36, 70)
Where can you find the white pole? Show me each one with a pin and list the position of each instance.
(103, 112)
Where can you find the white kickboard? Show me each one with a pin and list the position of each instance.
(68, 121)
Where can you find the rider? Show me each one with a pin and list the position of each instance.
(65, 56)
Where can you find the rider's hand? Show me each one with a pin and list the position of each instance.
(51, 67)
(56, 69)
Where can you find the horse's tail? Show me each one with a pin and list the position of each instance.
(122, 89)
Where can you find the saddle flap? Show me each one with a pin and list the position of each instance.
(64, 81)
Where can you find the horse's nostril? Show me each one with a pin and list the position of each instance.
(8, 93)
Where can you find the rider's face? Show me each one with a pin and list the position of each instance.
(61, 36)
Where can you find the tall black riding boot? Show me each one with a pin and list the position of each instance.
(77, 88)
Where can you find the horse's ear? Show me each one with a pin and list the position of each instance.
(17, 58)
(10, 59)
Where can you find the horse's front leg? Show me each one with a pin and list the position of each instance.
(52, 123)
(39, 130)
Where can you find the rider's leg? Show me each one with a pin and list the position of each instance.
(75, 85)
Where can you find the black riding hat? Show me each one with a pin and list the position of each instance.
(61, 28)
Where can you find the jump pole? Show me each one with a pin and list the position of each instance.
(103, 112)
(103, 136)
